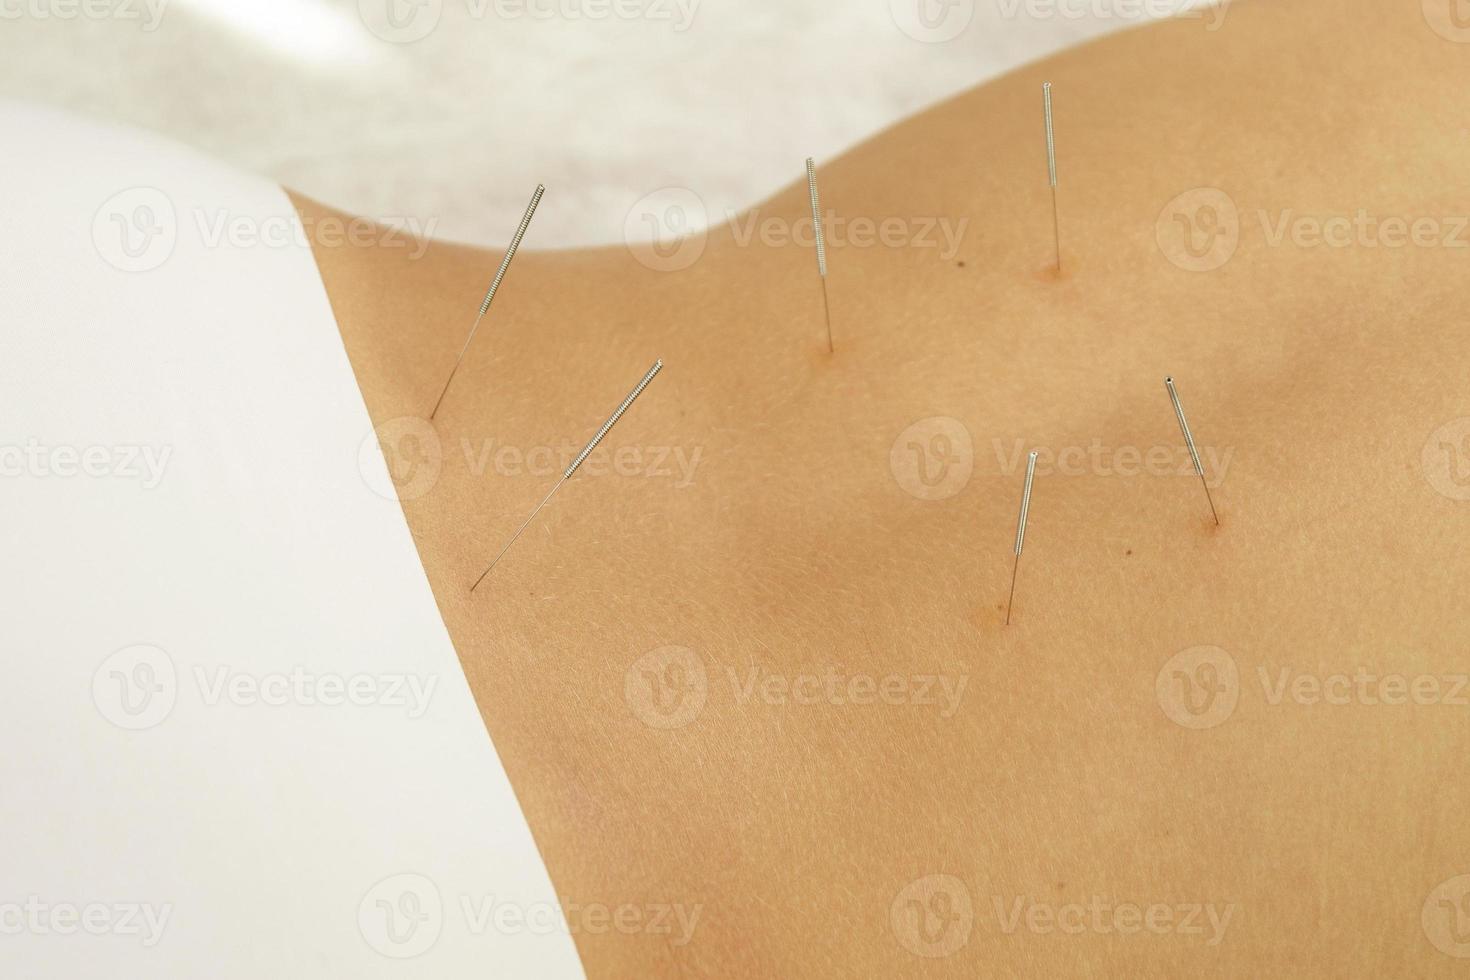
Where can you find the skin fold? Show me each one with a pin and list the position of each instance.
(769, 688)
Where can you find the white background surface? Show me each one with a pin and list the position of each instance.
(456, 128)
(180, 638)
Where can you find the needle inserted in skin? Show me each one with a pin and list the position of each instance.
(510, 253)
(581, 458)
(811, 183)
(1021, 531)
(1051, 170)
(1189, 441)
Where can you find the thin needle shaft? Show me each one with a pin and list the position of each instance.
(1051, 171)
(811, 183)
(581, 458)
(827, 311)
(510, 253)
(1189, 441)
(1021, 531)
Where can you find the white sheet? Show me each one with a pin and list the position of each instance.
(182, 493)
(455, 128)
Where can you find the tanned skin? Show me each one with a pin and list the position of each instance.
(1085, 767)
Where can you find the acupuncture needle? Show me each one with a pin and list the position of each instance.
(581, 457)
(510, 253)
(1021, 531)
(1189, 441)
(821, 236)
(1051, 170)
